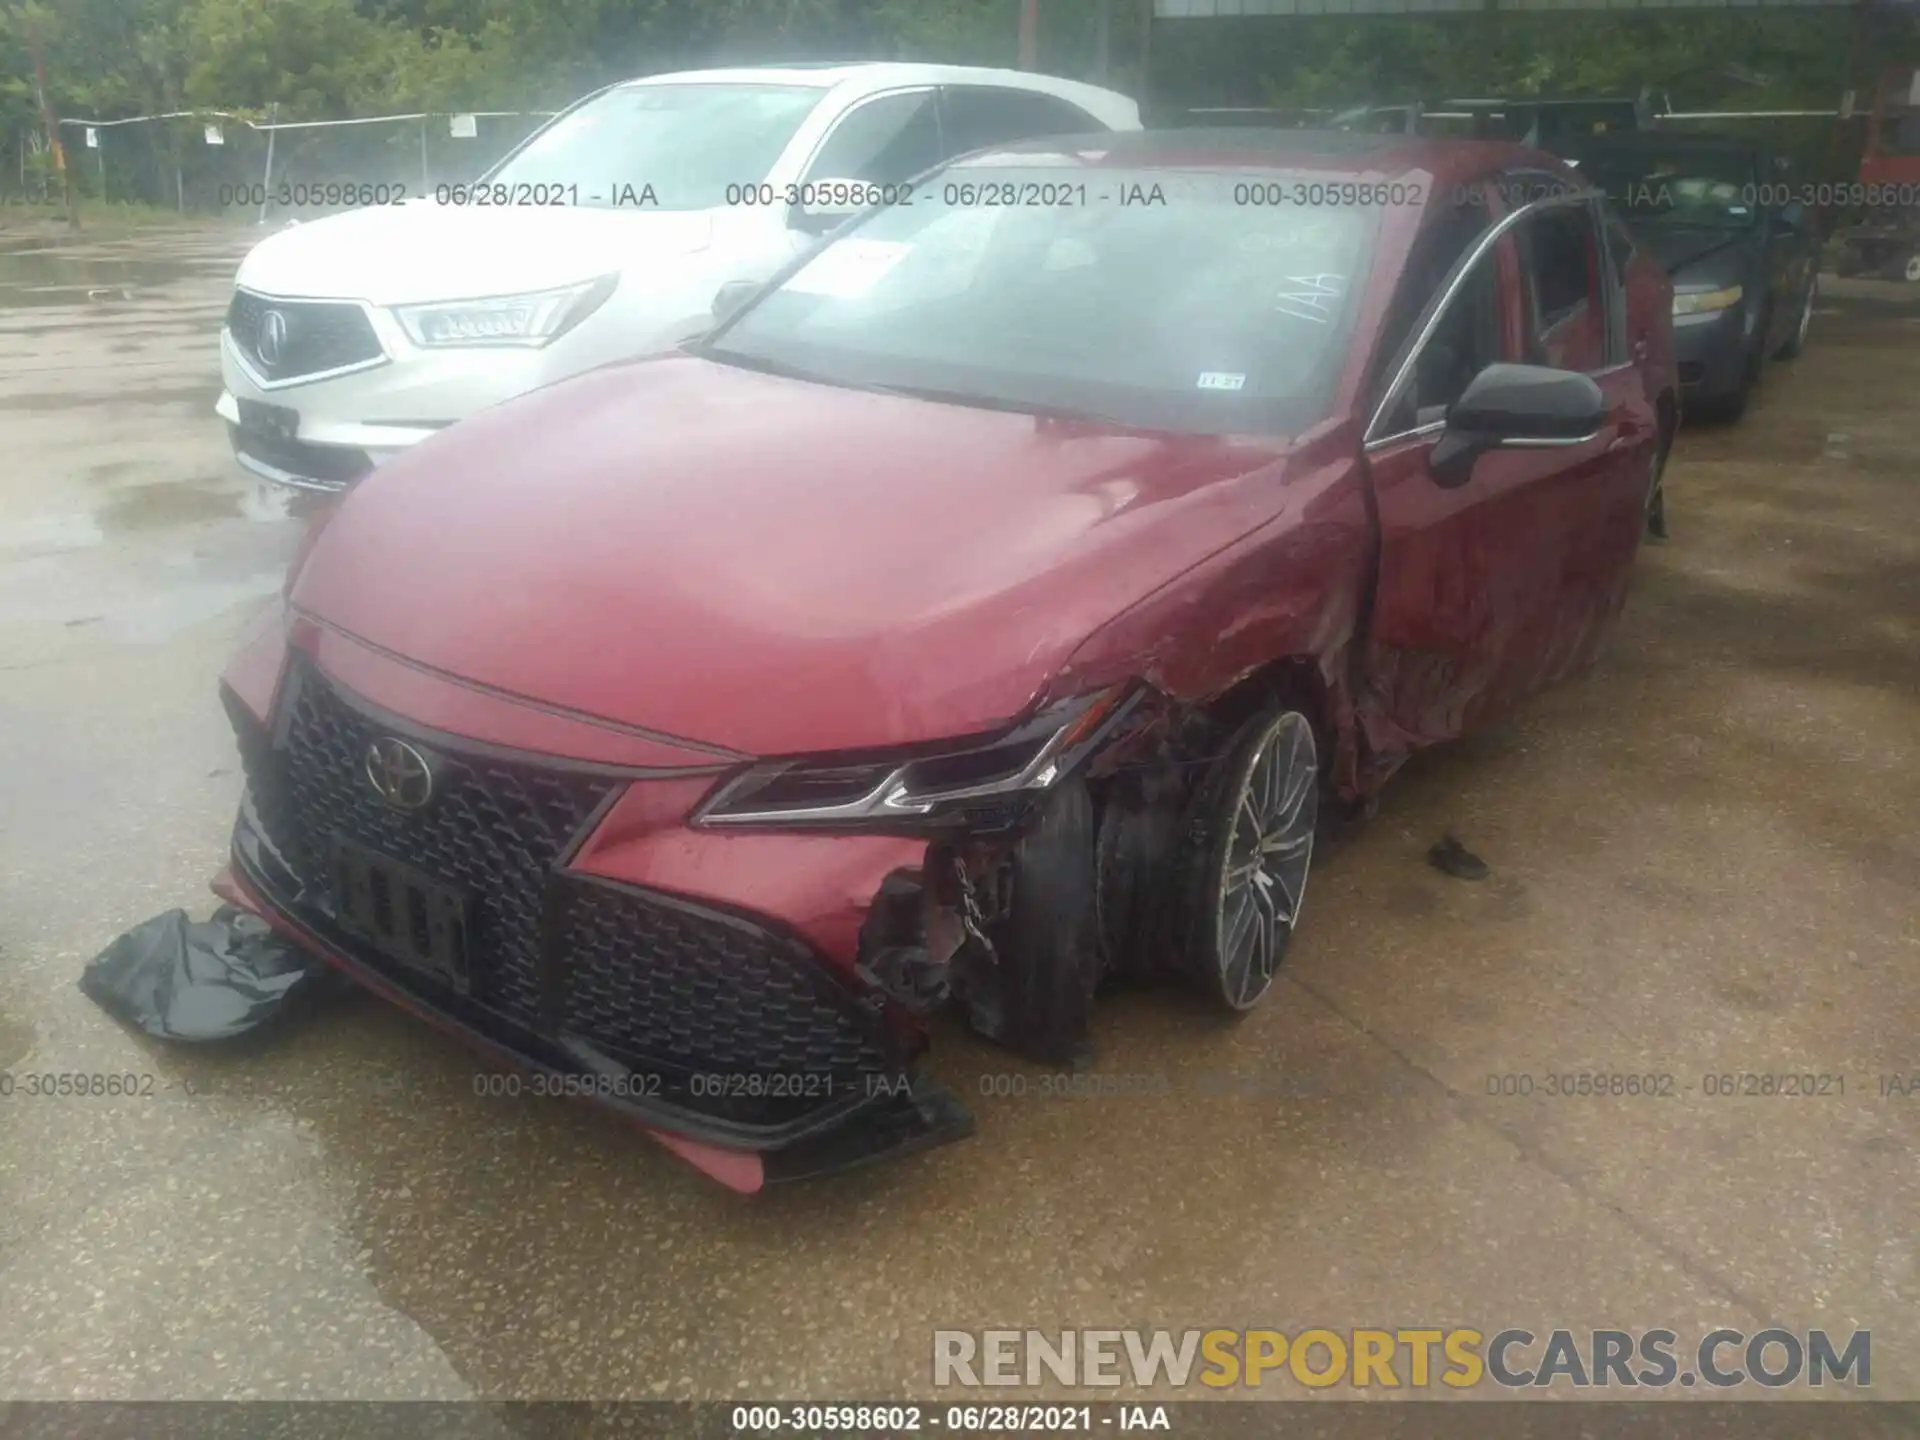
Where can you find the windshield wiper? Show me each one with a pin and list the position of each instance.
(968, 398)
(742, 361)
(993, 402)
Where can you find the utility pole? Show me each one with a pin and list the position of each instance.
(52, 123)
(1102, 39)
(1029, 34)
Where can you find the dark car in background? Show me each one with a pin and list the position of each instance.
(1721, 216)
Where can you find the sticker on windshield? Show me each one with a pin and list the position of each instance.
(1311, 297)
(849, 268)
(1220, 380)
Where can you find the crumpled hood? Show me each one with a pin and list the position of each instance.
(770, 565)
(401, 254)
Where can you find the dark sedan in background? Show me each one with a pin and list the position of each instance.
(1721, 216)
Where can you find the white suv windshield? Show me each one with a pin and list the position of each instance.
(664, 147)
(1212, 301)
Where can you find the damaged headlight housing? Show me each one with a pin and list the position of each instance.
(533, 319)
(974, 784)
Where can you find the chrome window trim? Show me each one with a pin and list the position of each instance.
(1549, 442)
(1481, 249)
(1432, 427)
(1519, 442)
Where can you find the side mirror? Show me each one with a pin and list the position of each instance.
(731, 296)
(825, 203)
(1516, 407)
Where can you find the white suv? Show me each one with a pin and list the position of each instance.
(608, 233)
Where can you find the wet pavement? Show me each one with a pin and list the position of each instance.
(1703, 865)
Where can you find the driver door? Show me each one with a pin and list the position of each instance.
(1470, 603)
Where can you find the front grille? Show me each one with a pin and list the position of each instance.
(730, 1020)
(310, 337)
(660, 985)
(495, 829)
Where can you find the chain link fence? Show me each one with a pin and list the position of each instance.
(218, 163)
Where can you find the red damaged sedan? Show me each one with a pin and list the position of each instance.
(991, 606)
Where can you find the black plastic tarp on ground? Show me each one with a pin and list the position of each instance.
(182, 979)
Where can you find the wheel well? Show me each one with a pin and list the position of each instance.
(1294, 681)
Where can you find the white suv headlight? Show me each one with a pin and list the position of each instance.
(532, 319)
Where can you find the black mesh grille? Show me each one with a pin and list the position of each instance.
(664, 987)
(736, 1022)
(494, 829)
(318, 335)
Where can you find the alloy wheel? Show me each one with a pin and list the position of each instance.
(1913, 269)
(1268, 850)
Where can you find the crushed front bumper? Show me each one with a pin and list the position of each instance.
(720, 1031)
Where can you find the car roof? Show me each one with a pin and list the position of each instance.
(866, 75)
(1339, 151)
(1537, 102)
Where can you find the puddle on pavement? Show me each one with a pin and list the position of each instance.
(137, 508)
(164, 503)
(16, 1040)
(40, 274)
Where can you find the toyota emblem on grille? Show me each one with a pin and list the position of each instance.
(273, 336)
(399, 773)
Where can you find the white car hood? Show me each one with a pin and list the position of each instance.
(402, 254)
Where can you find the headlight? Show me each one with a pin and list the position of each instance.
(980, 785)
(532, 319)
(1702, 302)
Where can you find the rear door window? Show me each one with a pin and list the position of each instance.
(1560, 265)
(976, 116)
(883, 141)
(1467, 337)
